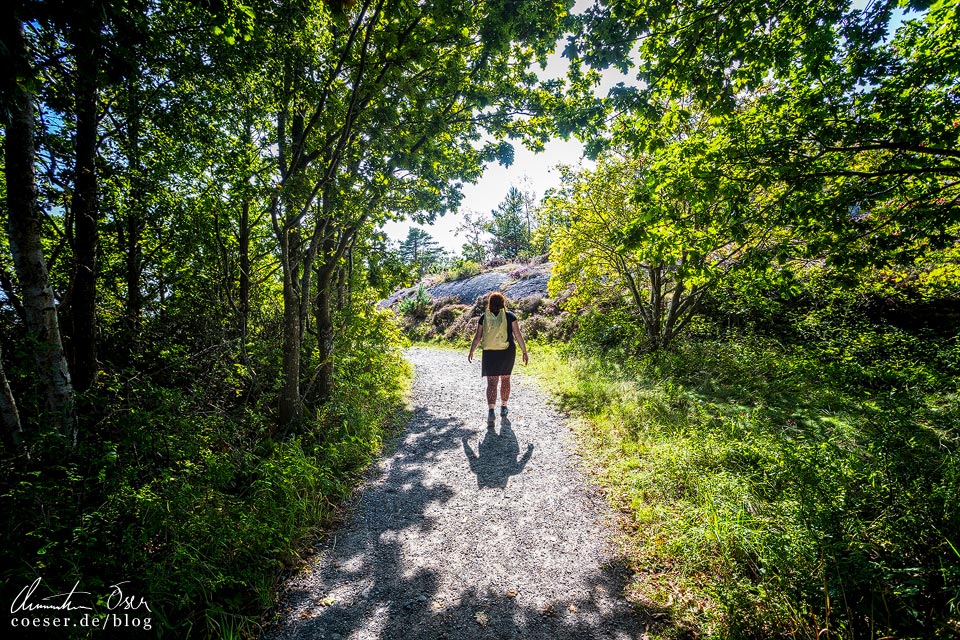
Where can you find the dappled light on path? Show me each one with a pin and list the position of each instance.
(462, 532)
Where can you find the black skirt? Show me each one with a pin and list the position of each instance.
(498, 362)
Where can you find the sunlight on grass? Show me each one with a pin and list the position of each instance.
(764, 500)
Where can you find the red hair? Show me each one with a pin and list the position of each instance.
(495, 302)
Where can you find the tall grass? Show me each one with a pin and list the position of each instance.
(774, 492)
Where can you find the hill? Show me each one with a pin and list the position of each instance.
(442, 307)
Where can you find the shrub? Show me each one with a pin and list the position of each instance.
(463, 269)
(417, 304)
(444, 317)
(201, 505)
(445, 301)
(462, 328)
(529, 305)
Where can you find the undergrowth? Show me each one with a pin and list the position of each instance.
(804, 491)
(201, 506)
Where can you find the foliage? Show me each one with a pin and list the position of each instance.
(420, 252)
(800, 488)
(844, 115)
(201, 508)
(386, 269)
(462, 269)
(475, 227)
(509, 226)
(647, 232)
(213, 174)
(417, 304)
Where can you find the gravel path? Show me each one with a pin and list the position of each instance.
(467, 532)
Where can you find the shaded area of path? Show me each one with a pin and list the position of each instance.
(467, 532)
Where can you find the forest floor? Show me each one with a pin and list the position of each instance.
(468, 531)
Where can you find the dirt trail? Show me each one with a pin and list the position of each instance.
(467, 532)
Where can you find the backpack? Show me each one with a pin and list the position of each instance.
(495, 331)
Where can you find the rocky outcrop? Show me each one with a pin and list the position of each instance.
(453, 308)
(516, 281)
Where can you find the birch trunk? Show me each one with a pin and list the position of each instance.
(40, 312)
(8, 409)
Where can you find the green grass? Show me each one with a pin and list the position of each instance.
(771, 494)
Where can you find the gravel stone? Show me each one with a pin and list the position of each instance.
(458, 520)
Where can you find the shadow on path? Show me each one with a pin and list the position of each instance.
(496, 457)
(433, 549)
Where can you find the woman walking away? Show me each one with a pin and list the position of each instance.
(496, 332)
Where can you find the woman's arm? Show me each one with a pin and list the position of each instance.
(476, 341)
(519, 338)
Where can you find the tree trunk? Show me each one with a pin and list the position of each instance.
(243, 304)
(42, 323)
(243, 240)
(82, 341)
(344, 280)
(291, 404)
(8, 409)
(133, 305)
(673, 315)
(325, 336)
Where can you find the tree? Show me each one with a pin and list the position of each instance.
(535, 241)
(420, 252)
(837, 112)
(508, 226)
(386, 268)
(376, 113)
(24, 227)
(647, 232)
(475, 227)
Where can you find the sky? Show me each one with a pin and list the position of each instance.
(534, 171)
(530, 171)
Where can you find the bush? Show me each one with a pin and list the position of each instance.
(529, 305)
(445, 317)
(416, 305)
(445, 301)
(462, 269)
(202, 505)
(462, 328)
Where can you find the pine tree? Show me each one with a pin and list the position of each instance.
(509, 227)
(420, 252)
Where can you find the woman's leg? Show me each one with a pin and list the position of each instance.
(504, 390)
(492, 391)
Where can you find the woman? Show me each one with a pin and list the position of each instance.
(497, 330)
